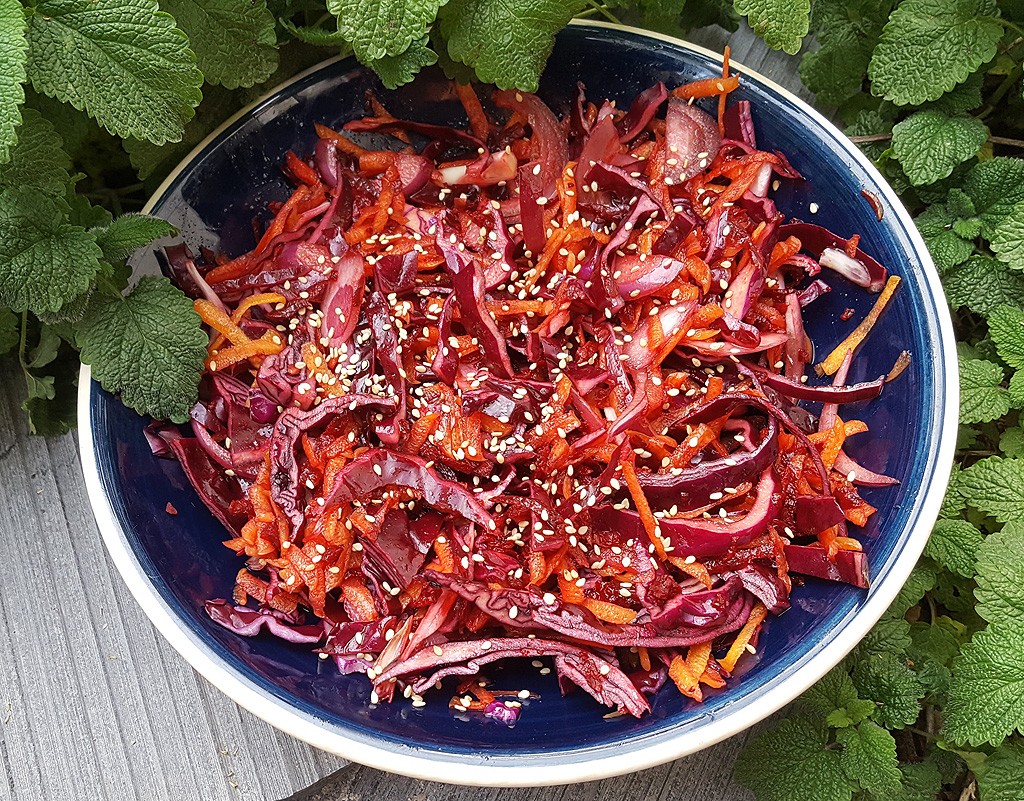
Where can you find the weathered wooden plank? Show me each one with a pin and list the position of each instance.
(93, 703)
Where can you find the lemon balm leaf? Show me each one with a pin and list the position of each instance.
(929, 46)
(515, 58)
(122, 61)
(148, 346)
(234, 40)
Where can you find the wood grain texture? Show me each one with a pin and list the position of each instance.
(95, 705)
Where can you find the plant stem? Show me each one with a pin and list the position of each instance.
(604, 12)
(24, 337)
(1000, 92)
(863, 140)
(1010, 26)
(1005, 140)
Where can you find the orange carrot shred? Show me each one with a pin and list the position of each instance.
(857, 336)
(739, 645)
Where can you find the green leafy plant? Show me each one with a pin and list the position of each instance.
(931, 705)
(100, 98)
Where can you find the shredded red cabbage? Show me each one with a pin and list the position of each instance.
(527, 390)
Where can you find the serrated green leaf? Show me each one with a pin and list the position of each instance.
(395, 71)
(129, 232)
(380, 28)
(10, 331)
(782, 24)
(995, 186)
(959, 204)
(953, 502)
(930, 144)
(968, 229)
(921, 781)
(982, 283)
(709, 12)
(122, 61)
(319, 37)
(1016, 390)
(51, 404)
(82, 212)
(836, 70)
(45, 350)
(929, 46)
(869, 758)
(1000, 580)
(38, 388)
(935, 678)
(851, 714)
(1001, 775)
(833, 691)
(1011, 441)
(13, 53)
(792, 763)
(234, 40)
(656, 15)
(515, 59)
(156, 160)
(986, 696)
(895, 689)
(921, 579)
(937, 642)
(948, 248)
(38, 162)
(982, 396)
(891, 635)
(148, 346)
(1007, 239)
(954, 545)
(1006, 328)
(45, 261)
(962, 98)
(995, 486)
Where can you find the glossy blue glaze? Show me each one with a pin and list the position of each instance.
(213, 201)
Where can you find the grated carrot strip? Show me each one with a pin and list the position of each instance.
(642, 507)
(739, 645)
(609, 612)
(215, 317)
(857, 336)
(688, 684)
(478, 122)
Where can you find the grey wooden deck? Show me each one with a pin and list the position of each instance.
(95, 705)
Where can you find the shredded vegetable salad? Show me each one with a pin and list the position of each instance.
(529, 388)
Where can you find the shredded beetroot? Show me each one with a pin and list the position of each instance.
(529, 391)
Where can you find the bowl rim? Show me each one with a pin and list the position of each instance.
(597, 762)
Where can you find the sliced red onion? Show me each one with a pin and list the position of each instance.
(849, 567)
(487, 169)
(326, 160)
(691, 137)
(640, 276)
(851, 269)
(739, 123)
(864, 270)
(414, 172)
(866, 390)
(548, 145)
(862, 477)
(642, 111)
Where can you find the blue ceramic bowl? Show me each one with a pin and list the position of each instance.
(174, 564)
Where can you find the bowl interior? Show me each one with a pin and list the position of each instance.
(213, 200)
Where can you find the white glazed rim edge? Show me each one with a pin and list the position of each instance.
(483, 772)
